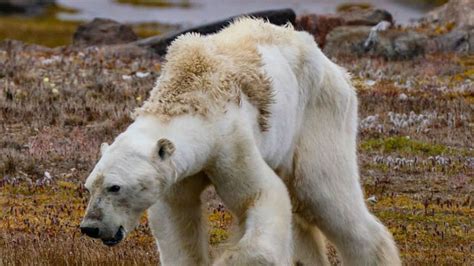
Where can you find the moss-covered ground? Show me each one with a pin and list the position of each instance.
(57, 106)
(50, 31)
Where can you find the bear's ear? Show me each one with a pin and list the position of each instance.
(164, 148)
(103, 147)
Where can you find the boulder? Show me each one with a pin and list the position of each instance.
(320, 25)
(461, 12)
(367, 17)
(459, 40)
(405, 45)
(346, 40)
(392, 44)
(102, 31)
(24, 7)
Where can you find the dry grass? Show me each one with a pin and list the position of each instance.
(56, 106)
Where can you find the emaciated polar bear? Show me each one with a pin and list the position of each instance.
(258, 111)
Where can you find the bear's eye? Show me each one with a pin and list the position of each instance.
(114, 188)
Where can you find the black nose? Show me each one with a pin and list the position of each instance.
(90, 231)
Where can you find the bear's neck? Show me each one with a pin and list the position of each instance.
(191, 137)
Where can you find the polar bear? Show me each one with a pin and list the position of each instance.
(259, 112)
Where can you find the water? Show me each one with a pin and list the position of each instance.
(203, 11)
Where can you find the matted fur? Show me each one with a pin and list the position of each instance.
(204, 73)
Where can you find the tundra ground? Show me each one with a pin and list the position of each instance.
(57, 106)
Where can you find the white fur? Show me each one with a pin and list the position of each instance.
(311, 143)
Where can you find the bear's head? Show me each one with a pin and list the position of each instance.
(127, 180)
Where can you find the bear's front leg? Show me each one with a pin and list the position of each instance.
(176, 223)
(260, 200)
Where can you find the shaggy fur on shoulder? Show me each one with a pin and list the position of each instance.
(203, 73)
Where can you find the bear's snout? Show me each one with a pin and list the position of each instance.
(109, 236)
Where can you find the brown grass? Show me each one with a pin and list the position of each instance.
(56, 106)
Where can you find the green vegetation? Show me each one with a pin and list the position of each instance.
(439, 226)
(44, 30)
(220, 222)
(363, 5)
(50, 31)
(427, 3)
(156, 3)
(350, 6)
(405, 145)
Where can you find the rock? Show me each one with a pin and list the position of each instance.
(460, 12)
(320, 25)
(103, 32)
(373, 34)
(391, 44)
(455, 21)
(346, 40)
(367, 17)
(459, 40)
(25, 7)
(402, 97)
(372, 199)
(405, 45)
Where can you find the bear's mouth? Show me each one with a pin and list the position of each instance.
(116, 239)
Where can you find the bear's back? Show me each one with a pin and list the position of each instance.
(204, 73)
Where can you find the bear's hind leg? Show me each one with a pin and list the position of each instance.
(327, 189)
